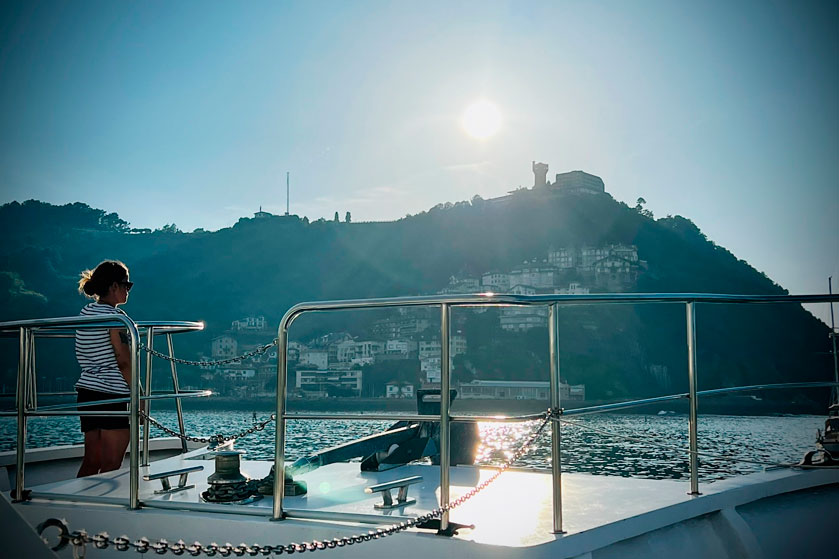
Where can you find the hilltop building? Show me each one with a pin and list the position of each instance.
(540, 171)
(260, 214)
(579, 181)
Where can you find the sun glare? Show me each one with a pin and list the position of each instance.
(481, 119)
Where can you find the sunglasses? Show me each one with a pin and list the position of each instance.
(127, 284)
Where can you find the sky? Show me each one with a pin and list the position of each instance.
(192, 112)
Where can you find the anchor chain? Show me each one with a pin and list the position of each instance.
(203, 363)
(80, 538)
(215, 439)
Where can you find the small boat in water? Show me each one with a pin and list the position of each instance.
(415, 492)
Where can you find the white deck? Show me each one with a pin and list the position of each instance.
(514, 512)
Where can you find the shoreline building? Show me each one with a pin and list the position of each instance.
(518, 390)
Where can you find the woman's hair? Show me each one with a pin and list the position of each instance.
(96, 283)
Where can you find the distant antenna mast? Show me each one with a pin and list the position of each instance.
(286, 192)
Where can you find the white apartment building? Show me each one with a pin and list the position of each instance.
(224, 346)
(574, 288)
(368, 349)
(317, 358)
(432, 348)
(540, 277)
(402, 347)
(563, 258)
(238, 373)
(318, 380)
(399, 390)
(590, 255)
(518, 390)
(520, 319)
(523, 290)
(462, 285)
(252, 323)
(345, 351)
(495, 281)
(430, 368)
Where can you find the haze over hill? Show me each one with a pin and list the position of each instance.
(264, 265)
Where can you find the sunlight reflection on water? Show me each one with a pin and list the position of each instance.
(771, 439)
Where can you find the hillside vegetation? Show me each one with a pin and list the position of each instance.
(264, 266)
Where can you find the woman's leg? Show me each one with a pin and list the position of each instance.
(92, 461)
(114, 443)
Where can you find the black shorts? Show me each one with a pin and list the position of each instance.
(91, 422)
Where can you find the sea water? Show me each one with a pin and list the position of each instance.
(646, 446)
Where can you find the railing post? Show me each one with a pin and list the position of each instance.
(556, 433)
(692, 396)
(32, 395)
(134, 421)
(177, 389)
(279, 440)
(445, 397)
(22, 385)
(146, 424)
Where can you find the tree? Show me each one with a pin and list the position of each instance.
(348, 218)
(169, 228)
(639, 207)
(112, 222)
(336, 217)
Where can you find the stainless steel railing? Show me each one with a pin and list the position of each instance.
(26, 395)
(553, 302)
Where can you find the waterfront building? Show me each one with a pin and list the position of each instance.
(319, 381)
(396, 389)
(518, 390)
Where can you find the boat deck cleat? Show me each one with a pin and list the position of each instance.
(182, 474)
(402, 499)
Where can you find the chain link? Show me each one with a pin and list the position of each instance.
(80, 538)
(202, 363)
(215, 439)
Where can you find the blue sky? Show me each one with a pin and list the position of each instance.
(192, 112)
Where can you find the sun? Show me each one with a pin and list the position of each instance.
(481, 119)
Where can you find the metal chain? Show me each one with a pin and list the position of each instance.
(80, 538)
(202, 363)
(215, 439)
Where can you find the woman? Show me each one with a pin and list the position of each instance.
(105, 361)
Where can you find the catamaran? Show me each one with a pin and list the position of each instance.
(409, 491)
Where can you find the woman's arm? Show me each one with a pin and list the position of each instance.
(119, 339)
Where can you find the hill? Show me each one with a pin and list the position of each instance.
(263, 266)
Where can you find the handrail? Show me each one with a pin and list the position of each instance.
(160, 328)
(76, 405)
(26, 381)
(446, 302)
(501, 299)
(62, 327)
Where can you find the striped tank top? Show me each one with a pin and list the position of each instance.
(96, 357)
